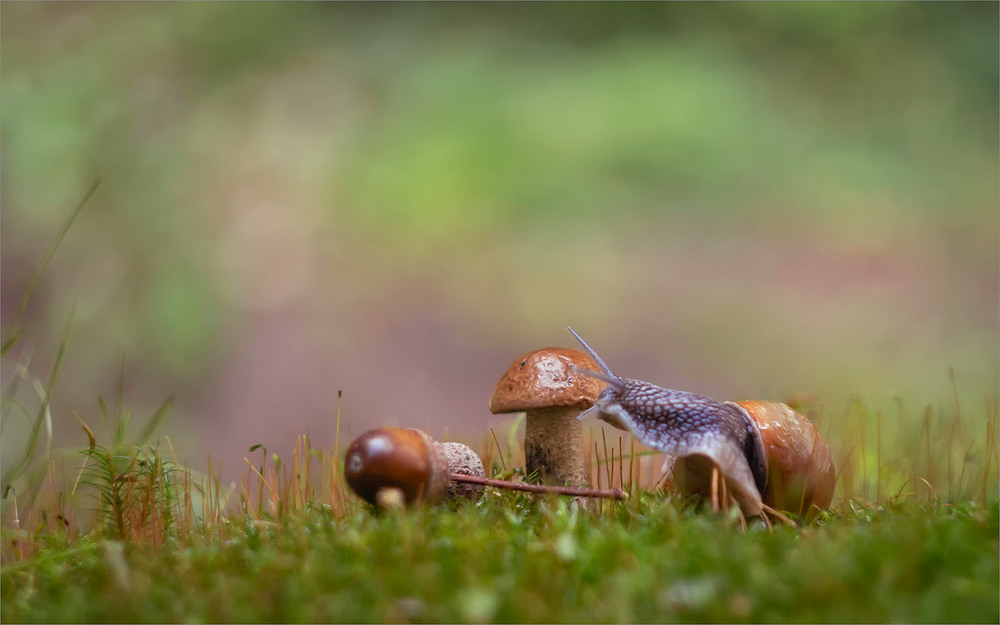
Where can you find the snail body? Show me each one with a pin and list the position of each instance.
(766, 453)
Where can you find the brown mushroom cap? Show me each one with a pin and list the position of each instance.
(403, 458)
(545, 378)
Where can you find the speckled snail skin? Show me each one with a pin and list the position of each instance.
(766, 452)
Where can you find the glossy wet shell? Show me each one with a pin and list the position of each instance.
(545, 378)
(800, 469)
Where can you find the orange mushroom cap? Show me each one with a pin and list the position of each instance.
(545, 378)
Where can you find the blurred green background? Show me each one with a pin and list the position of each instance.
(746, 200)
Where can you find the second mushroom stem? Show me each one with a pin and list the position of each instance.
(614, 493)
(553, 445)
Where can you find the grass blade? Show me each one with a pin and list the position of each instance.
(156, 420)
(15, 323)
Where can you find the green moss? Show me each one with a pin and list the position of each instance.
(509, 559)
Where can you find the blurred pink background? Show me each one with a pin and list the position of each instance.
(396, 201)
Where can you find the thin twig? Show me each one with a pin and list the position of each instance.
(573, 491)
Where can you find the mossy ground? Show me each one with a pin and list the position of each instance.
(513, 558)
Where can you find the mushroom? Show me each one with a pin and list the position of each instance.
(392, 466)
(545, 385)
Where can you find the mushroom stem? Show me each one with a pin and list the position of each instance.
(553, 445)
(612, 493)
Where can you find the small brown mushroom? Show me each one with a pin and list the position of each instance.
(544, 385)
(395, 467)
(386, 464)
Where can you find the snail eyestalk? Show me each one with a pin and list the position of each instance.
(591, 351)
(611, 380)
(587, 413)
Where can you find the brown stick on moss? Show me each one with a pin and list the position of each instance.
(614, 493)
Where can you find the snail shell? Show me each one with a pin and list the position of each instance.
(800, 470)
(800, 473)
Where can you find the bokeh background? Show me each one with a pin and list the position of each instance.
(747, 200)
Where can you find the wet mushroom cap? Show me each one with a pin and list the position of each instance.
(545, 378)
(401, 458)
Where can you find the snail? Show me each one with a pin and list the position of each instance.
(767, 454)
(391, 467)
